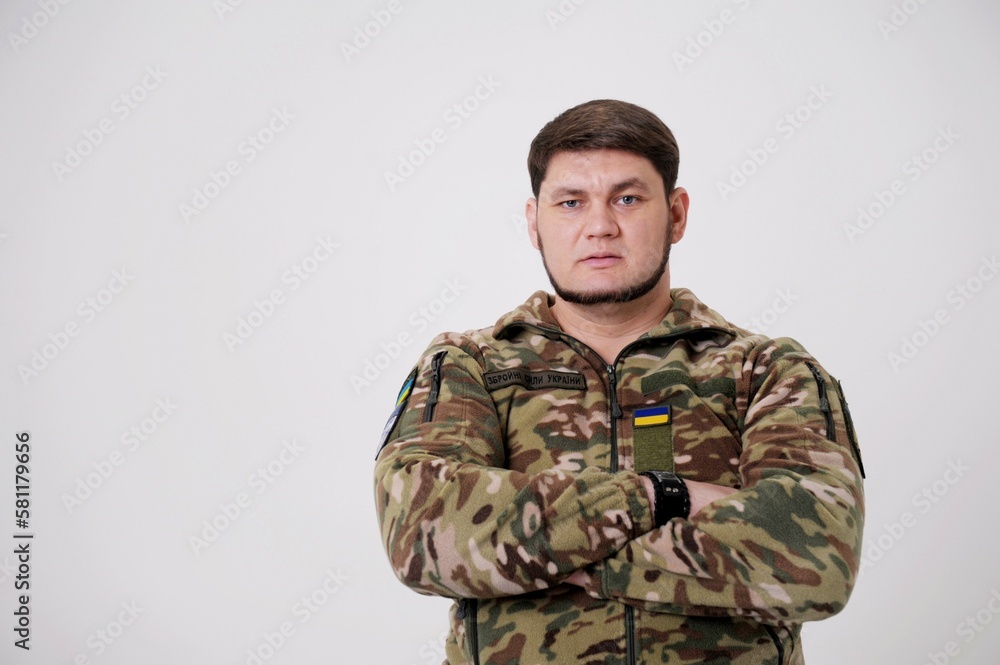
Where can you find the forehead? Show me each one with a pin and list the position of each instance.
(599, 170)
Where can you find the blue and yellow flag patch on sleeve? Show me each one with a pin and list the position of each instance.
(654, 415)
(404, 392)
(401, 399)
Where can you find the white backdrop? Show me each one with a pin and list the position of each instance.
(230, 227)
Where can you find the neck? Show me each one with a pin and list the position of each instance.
(608, 328)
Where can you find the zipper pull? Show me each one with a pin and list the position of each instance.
(616, 411)
(460, 612)
(432, 398)
(824, 402)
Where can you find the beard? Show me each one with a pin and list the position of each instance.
(623, 294)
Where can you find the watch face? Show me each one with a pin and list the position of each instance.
(673, 493)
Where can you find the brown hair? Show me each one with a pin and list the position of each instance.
(605, 123)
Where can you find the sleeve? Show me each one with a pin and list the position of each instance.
(783, 549)
(456, 523)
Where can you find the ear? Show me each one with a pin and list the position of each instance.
(531, 213)
(678, 203)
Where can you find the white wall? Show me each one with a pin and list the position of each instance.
(894, 77)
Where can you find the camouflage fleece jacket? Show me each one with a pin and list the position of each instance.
(512, 460)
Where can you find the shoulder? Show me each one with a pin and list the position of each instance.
(499, 344)
(731, 339)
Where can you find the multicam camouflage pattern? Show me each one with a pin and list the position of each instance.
(493, 497)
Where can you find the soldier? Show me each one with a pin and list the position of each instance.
(615, 473)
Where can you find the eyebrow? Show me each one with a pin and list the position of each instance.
(630, 183)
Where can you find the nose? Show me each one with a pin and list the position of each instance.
(601, 222)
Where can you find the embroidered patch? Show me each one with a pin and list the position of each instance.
(533, 380)
(404, 396)
(653, 439)
(655, 415)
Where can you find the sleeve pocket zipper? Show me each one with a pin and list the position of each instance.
(851, 434)
(432, 398)
(824, 402)
(824, 406)
(468, 611)
(777, 643)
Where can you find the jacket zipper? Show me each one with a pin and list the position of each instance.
(852, 436)
(824, 405)
(470, 607)
(432, 398)
(616, 414)
(824, 402)
(630, 635)
(777, 643)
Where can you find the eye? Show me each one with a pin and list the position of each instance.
(572, 203)
(628, 199)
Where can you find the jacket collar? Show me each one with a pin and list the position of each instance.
(687, 314)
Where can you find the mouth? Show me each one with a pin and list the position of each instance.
(600, 259)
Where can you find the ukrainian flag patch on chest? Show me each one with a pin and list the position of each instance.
(652, 439)
(654, 415)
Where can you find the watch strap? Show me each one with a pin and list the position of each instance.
(672, 498)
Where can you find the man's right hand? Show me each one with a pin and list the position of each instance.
(702, 494)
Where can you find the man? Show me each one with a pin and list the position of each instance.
(616, 474)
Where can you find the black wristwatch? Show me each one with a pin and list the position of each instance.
(672, 499)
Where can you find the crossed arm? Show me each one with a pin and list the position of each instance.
(782, 548)
(701, 494)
